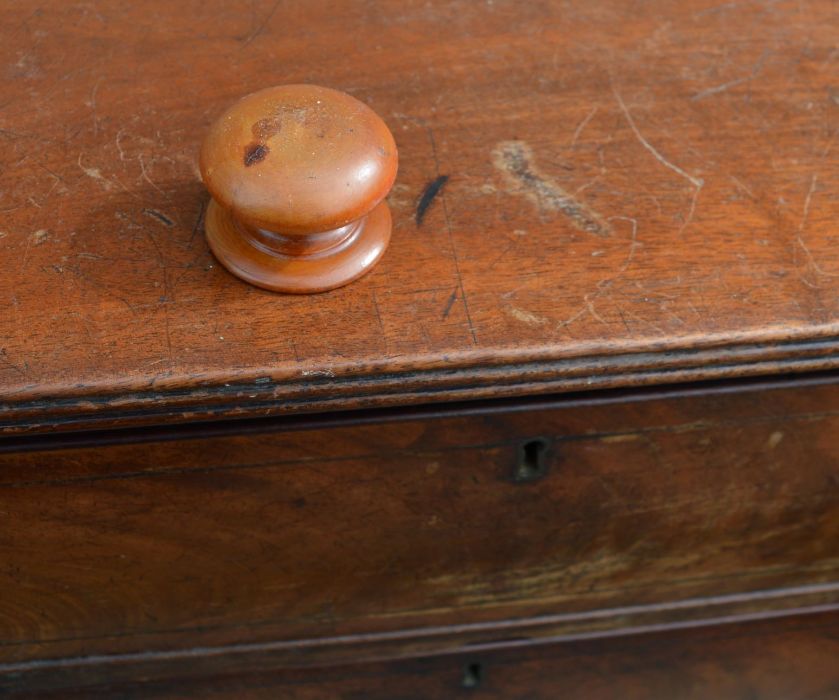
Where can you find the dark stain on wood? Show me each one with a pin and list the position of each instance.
(450, 303)
(432, 189)
(599, 333)
(516, 162)
(213, 534)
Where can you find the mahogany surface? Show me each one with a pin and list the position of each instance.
(791, 659)
(337, 541)
(578, 425)
(624, 195)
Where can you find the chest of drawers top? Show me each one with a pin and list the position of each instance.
(587, 197)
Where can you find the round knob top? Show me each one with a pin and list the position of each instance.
(299, 159)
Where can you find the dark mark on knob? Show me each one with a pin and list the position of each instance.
(255, 152)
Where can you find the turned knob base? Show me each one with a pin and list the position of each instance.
(299, 264)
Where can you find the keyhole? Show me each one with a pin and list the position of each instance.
(472, 675)
(532, 460)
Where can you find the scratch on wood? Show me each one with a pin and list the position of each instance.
(515, 161)
(198, 221)
(732, 83)
(692, 209)
(452, 244)
(94, 174)
(811, 261)
(91, 103)
(695, 181)
(146, 177)
(742, 186)
(256, 32)
(806, 211)
(162, 218)
(378, 316)
(582, 125)
(604, 285)
(720, 88)
(432, 189)
(119, 145)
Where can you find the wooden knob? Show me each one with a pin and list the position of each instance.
(298, 175)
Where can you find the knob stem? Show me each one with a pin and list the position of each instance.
(296, 244)
(299, 264)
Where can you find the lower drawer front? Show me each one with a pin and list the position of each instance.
(793, 658)
(319, 542)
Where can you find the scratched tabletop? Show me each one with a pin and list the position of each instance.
(591, 193)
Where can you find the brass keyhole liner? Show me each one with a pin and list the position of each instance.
(298, 175)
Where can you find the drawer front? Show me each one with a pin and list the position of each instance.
(789, 659)
(321, 541)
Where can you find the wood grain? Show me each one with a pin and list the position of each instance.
(629, 197)
(409, 536)
(789, 659)
(786, 660)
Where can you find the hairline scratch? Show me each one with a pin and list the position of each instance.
(695, 181)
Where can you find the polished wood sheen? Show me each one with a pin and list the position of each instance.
(573, 436)
(298, 174)
(281, 544)
(591, 194)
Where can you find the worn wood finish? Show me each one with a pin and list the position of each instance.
(412, 536)
(791, 659)
(591, 194)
